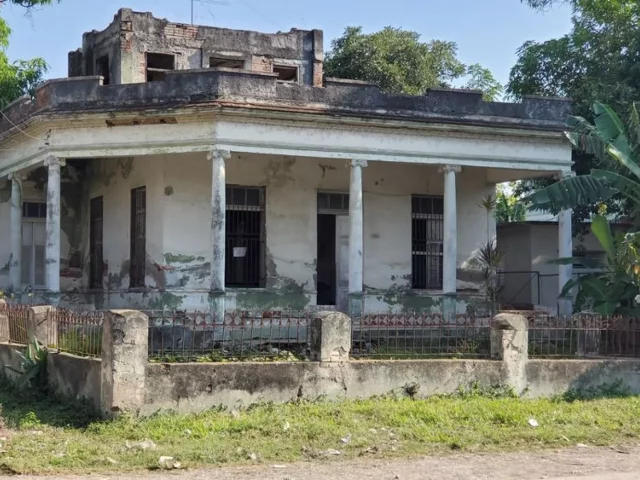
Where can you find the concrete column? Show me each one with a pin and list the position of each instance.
(356, 240)
(52, 248)
(510, 343)
(450, 240)
(42, 325)
(565, 250)
(15, 265)
(218, 234)
(125, 353)
(330, 337)
(4, 323)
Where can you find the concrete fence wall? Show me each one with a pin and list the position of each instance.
(124, 380)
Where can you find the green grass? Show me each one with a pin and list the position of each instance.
(46, 437)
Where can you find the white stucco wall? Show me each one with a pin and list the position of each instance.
(179, 216)
(291, 215)
(113, 179)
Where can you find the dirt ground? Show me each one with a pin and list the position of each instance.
(585, 463)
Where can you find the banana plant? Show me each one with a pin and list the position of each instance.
(616, 148)
(617, 154)
(612, 290)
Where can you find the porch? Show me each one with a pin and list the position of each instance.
(136, 232)
(252, 194)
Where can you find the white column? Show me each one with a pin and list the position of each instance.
(218, 222)
(15, 264)
(565, 250)
(356, 235)
(450, 237)
(52, 248)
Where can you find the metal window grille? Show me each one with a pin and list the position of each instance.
(138, 236)
(96, 262)
(244, 263)
(34, 210)
(427, 226)
(333, 203)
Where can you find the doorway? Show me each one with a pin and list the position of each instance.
(333, 250)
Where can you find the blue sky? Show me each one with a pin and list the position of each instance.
(486, 31)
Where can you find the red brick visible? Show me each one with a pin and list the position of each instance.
(317, 74)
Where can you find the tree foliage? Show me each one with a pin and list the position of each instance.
(615, 146)
(399, 63)
(598, 60)
(482, 79)
(509, 208)
(22, 76)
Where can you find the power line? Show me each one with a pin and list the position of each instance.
(208, 2)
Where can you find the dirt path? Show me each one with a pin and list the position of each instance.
(576, 463)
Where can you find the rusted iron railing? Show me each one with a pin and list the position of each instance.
(584, 335)
(180, 336)
(79, 332)
(416, 335)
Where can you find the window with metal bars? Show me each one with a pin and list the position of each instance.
(427, 225)
(244, 253)
(138, 237)
(96, 262)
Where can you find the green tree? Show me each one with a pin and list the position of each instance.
(394, 59)
(22, 76)
(596, 61)
(482, 79)
(509, 208)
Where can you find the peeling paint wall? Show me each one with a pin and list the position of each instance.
(113, 179)
(179, 234)
(291, 241)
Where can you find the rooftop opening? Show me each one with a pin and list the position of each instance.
(158, 64)
(102, 68)
(216, 62)
(286, 73)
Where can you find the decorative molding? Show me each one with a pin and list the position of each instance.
(218, 154)
(53, 161)
(450, 168)
(359, 163)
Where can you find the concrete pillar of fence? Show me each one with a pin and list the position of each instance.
(124, 361)
(330, 337)
(510, 343)
(4, 328)
(4, 323)
(42, 326)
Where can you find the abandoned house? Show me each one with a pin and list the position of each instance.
(193, 167)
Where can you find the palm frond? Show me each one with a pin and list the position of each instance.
(569, 193)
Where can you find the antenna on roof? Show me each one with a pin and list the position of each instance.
(209, 2)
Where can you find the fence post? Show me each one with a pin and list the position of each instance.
(510, 343)
(330, 337)
(125, 351)
(42, 326)
(4, 323)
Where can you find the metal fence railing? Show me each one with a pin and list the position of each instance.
(18, 316)
(584, 335)
(78, 332)
(197, 336)
(391, 336)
